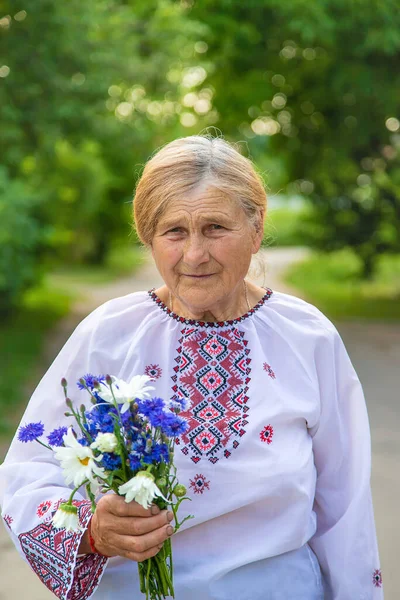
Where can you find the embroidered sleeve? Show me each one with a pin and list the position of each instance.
(52, 555)
(345, 541)
(32, 482)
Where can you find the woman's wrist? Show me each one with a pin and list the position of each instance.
(90, 539)
(87, 544)
(84, 546)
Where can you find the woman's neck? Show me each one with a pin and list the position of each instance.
(245, 300)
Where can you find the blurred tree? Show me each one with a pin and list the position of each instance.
(88, 90)
(316, 85)
(84, 96)
(19, 238)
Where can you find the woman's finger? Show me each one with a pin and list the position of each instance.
(140, 557)
(141, 544)
(118, 507)
(140, 525)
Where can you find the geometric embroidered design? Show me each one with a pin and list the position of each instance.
(212, 371)
(153, 371)
(199, 484)
(266, 434)
(208, 324)
(8, 520)
(43, 508)
(270, 372)
(377, 578)
(50, 553)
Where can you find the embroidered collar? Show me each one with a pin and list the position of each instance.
(213, 324)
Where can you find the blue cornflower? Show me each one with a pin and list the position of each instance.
(127, 419)
(100, 420)
(157, 452)
(134, 461)
(150, 406)
(55, 437)
(30, 432)
(175, 427)
(179, 403)
(161, 419)
(89, 379)
(164, 450)
(139, 445)
(111, 461)
(91, 429)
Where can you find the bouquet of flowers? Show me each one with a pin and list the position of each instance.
(125, 443)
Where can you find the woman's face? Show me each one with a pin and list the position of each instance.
(202, 247)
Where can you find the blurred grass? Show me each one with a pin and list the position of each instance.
(332, 282)
(120, 262)
(21, 342)
(23, 334)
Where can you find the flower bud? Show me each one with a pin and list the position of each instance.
(179, 490)
(82, 382)
(64, 382)
(161, 482)
(68, 402)
(68, 414)
(108, 380)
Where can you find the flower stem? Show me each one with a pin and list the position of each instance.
(43, 444)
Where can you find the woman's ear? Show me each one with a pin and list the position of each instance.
(259, 231)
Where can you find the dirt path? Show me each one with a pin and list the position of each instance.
(374, 349)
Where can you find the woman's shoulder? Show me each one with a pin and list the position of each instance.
(119, 311)
(299, 312)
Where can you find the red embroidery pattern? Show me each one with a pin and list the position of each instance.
(8, 520)
(213, 371)
(50, 552)
(199, 484)
(153, 371)
(270, 372)
(266, 434)
(164, 307)
(377, 578)
(43, 508)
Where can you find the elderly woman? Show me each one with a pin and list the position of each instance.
(277, 456)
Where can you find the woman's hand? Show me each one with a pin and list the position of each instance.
(127, 529)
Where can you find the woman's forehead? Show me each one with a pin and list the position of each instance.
(201, 205)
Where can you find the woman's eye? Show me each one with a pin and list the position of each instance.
(218, 226)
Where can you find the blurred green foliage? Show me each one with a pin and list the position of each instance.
(19, 239)
(334, 282)
(288, 226)
(21, 343)
(314, 87)
(89, 90)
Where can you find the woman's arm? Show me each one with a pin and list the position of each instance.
(32, 484)
(345, 541)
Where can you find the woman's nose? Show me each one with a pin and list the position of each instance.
(195, 251)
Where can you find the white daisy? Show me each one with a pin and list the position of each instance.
(105, 442)
(66, 517)
(77, 462)
(127, 392)
(141, 488)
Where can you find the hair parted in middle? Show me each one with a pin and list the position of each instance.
(183, 165)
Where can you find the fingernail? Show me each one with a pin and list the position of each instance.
(155, 509)
(170, 530)
(170, 516)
